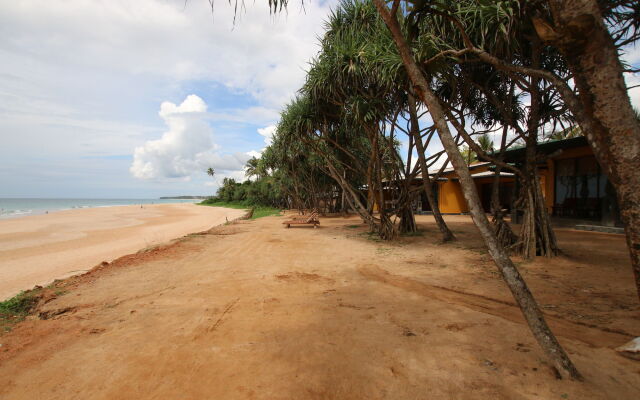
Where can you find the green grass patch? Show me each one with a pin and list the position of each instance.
(258, 211)
(373, 236)
(354, 226)
(15, 309)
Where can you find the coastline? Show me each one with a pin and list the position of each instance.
(11, 208)
(37, 249)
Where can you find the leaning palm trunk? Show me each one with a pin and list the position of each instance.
(427, 185)
(509, 272)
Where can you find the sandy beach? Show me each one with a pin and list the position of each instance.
(35, 250)
(255, 311)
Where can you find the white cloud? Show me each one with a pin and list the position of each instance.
(262, 55)
(186, 148)
(267, 133)
(254, 153)
(83, 78)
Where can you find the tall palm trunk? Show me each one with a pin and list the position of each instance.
(602, 107)
(504, 233)
(509, 272)
(536, 236)
(386, 229)
(427, 185)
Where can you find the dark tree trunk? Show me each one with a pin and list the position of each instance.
(352, 197)
(407, 218)
(509, 272)
(504, 233)
(602, 108)
(427, 185)
(536, 235)
(386, 228)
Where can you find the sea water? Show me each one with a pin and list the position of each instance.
(13, 207)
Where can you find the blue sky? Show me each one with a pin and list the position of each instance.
(82, 84)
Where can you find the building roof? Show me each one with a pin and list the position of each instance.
(483, 174)
(471, 166)
(491, 173)
(518, 153)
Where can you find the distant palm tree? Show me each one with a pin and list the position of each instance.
(567, 133)
(468, 155)
(486, 143)
(252, 168)
(211, 172)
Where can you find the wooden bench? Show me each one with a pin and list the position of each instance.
(311, 219)
(313, 213)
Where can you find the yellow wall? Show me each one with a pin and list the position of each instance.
(450, 197)
(452, 200)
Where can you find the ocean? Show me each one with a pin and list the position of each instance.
(13, 207)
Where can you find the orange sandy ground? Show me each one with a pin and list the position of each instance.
(256, 311)
(37, 249)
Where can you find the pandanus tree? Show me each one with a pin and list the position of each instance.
(510, 273)
(492, 96)
(588, 35)
(298, 165)
(487, 98)
(351, 106)
(360, 71)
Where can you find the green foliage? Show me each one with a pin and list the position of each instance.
(468, 155)
(566, 133)
(15, 309)
(485, 143)
(263, 191)
(258, 211)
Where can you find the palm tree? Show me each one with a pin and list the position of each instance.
(508, 270)
(251, 167)
(485, 143)
(211, 171)
(468, 155)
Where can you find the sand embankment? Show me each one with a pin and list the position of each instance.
(35, 250)
(256, 311)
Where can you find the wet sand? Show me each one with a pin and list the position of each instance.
(35, 250)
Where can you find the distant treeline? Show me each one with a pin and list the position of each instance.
(185, 197)
(263, 191)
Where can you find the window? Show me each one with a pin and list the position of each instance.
(578, 184)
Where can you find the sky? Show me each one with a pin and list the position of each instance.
(136, 99)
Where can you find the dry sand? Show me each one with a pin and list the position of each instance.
(35, 250)
(256, 311)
